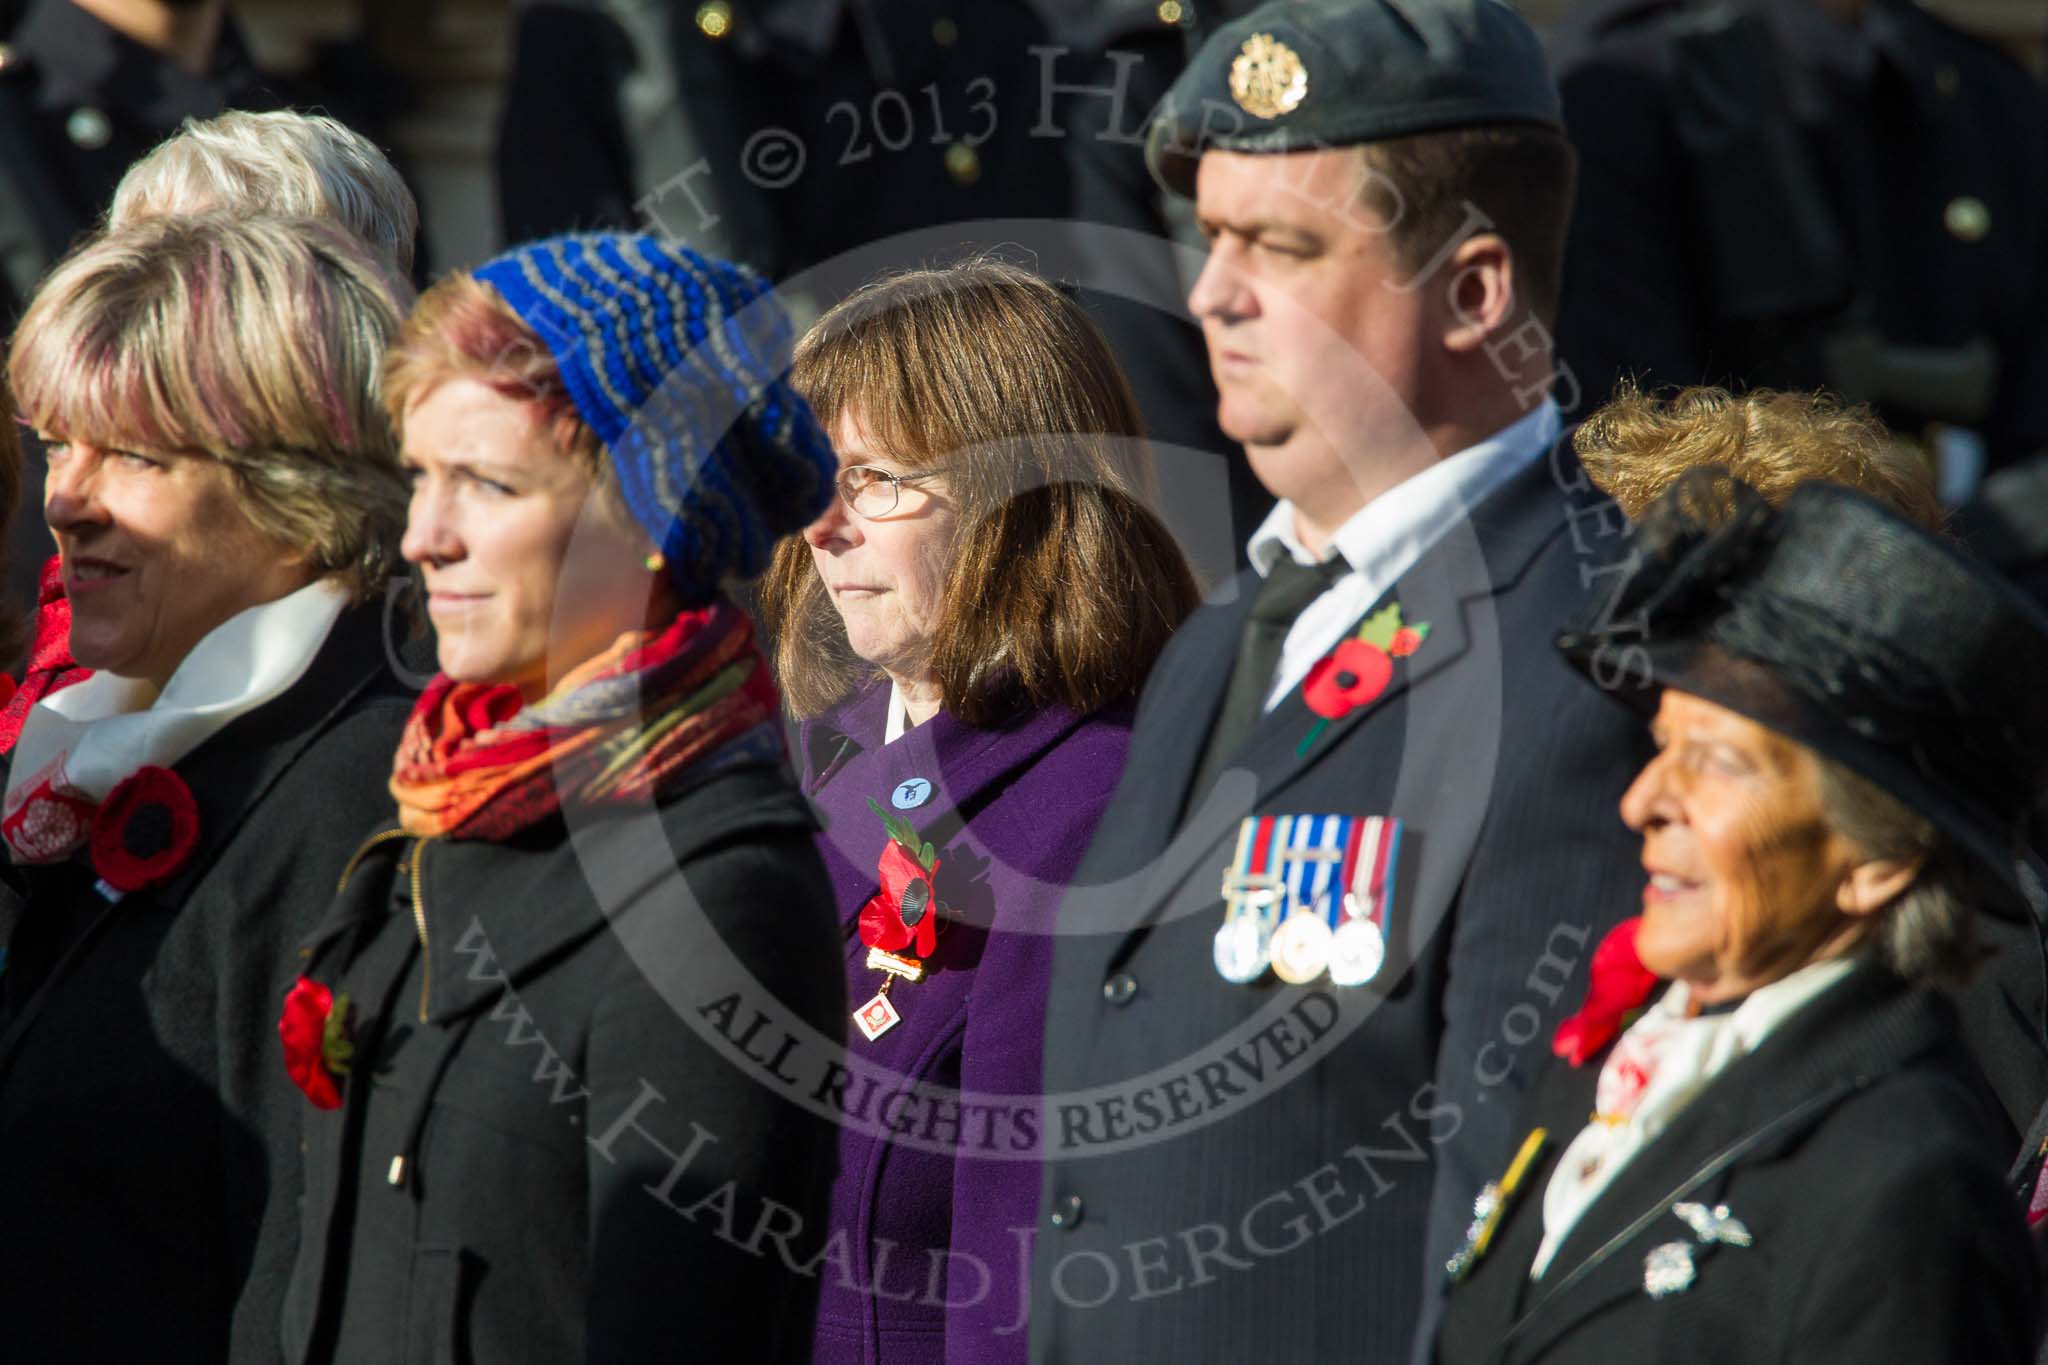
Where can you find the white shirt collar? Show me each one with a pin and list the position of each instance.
(899, 715)
(1417, 509)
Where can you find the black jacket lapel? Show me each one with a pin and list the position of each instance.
(1865, 1027)
(1452, 587)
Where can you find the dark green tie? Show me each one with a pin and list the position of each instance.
(1284, 595)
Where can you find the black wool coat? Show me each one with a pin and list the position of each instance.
(1861, 1150)
(149, 1132)
(1263, 1171)
(563, 1135)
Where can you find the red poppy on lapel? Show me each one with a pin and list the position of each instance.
(1358, 669)
(1619, 987)
(145, 829)
(1349, 676)
(904, 912)
(317, 1052)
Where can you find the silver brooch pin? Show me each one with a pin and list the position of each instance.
(1668, 1269)
(1713, 1225)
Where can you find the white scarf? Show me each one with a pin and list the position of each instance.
(1652, 1073)
(79, 743)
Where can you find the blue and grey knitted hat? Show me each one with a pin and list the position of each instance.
(677, 362)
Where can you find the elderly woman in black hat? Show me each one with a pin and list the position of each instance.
(553, 1031)
(1790, 1155)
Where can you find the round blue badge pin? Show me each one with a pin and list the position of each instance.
(911, 794)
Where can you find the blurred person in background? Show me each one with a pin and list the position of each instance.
(1803, 194)
(918, 111)
(301, 165)
(963, 634)
(87, 87)
(597, 839)
(226, 499)
(1793, 1123)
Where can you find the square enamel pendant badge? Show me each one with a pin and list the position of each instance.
(877, 1017)
(1307, 895)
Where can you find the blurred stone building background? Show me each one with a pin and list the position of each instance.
(453, 57)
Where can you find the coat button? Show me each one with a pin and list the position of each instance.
(1119, 989)
(1966, 218)
(963, 163)
(1066, 1212)
(88, 128)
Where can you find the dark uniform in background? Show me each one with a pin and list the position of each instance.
(824, 125)
(1116, 68)
(911, 116)
(79, 103)
(1772, 195)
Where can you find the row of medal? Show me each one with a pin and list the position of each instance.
(1307, 895)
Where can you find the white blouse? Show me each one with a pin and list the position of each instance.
(1652, 1073)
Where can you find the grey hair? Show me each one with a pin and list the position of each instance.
(1927, 933)
(280, 163)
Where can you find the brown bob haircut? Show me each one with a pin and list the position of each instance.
(1064, 586)
(1520, 176)
(1640, 444)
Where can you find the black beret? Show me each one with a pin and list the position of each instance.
(1298, 75)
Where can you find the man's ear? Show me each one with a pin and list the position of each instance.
(1480, 296)
(1871, 885)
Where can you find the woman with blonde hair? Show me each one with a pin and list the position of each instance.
(1640, 444)
(226, 501)
(279, 163)
(962, 633)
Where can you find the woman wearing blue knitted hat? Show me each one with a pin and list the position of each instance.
(551, 1030)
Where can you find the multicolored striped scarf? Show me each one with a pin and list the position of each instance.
(477, 763)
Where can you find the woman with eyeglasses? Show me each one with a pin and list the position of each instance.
(962, 635)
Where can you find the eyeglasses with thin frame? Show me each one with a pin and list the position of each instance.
(873, 492)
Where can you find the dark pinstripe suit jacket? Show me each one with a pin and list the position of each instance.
(1266, 1172)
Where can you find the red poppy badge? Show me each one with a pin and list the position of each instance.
(1620, 985)
(317, 1050)
(1359, 668)
(904, 913)
(144, 830)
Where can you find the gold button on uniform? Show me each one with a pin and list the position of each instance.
(1966, 218)
(1947, 81)
(715, 19)
(945, 32)
(963, 163)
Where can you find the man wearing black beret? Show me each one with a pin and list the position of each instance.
(1367, 837)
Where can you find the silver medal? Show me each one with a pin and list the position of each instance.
(1357, 951)
(1241, 949)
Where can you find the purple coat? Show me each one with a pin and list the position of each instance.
(932, 1244)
